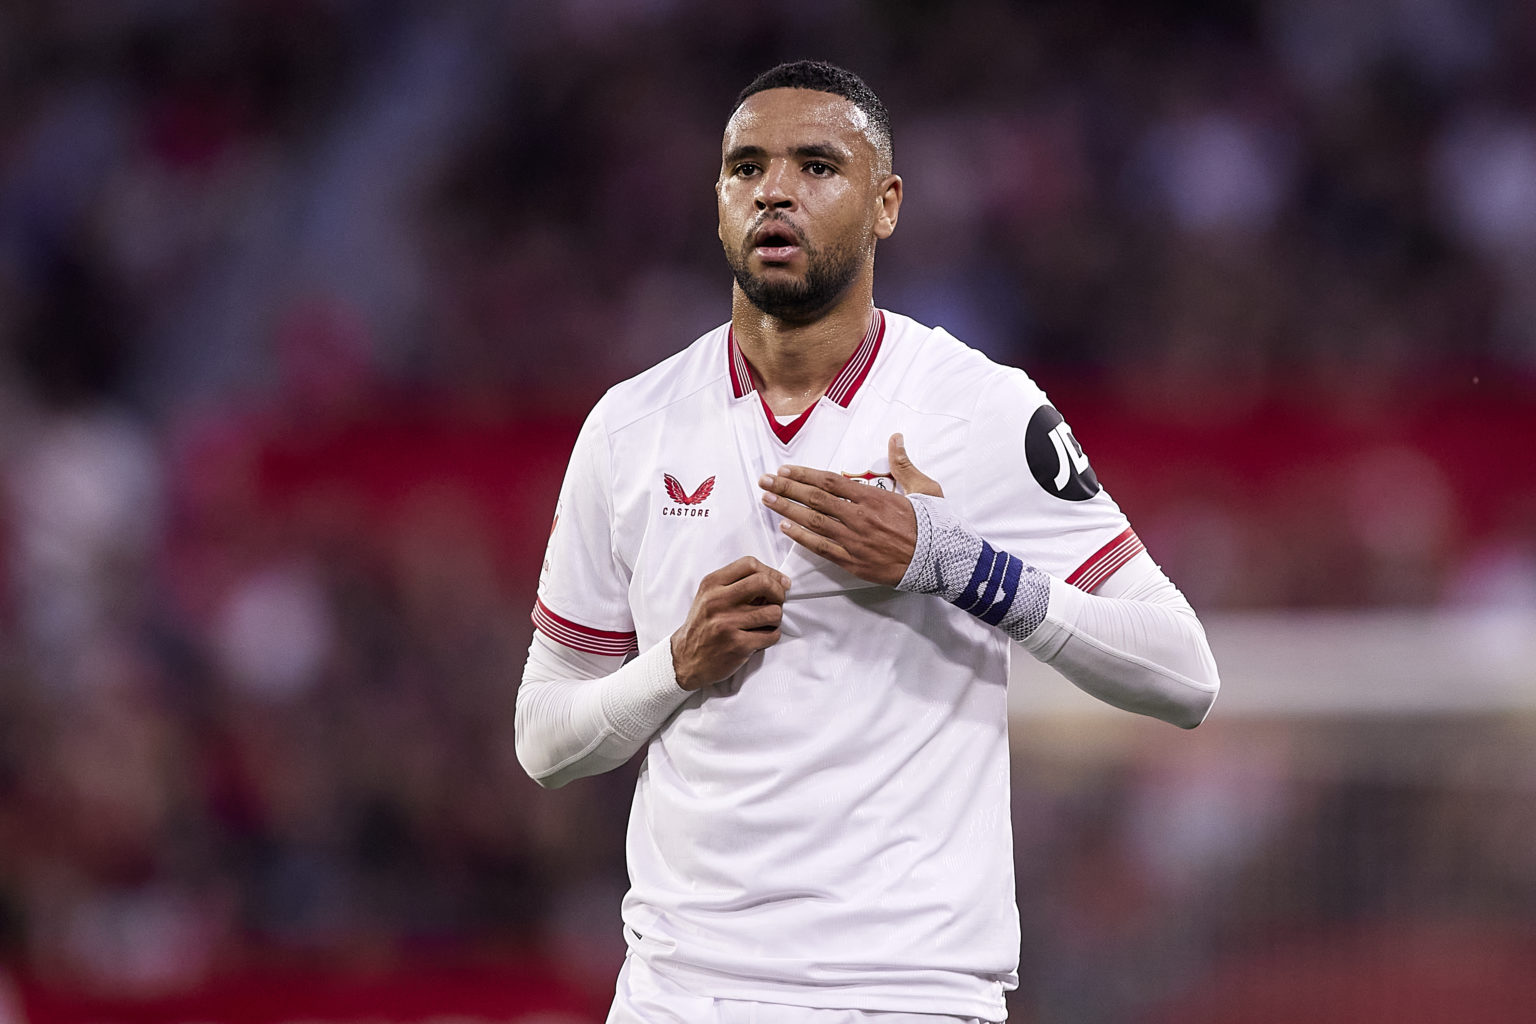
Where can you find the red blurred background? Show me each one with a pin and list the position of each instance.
(302, 303)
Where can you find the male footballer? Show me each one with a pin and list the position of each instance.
(749, 578)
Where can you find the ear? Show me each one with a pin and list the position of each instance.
(719, 222)
(890, 206)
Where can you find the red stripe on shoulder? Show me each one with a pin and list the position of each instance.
(582, 638)
(1101, 565)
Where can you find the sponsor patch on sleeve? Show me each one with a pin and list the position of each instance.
(1056, 460)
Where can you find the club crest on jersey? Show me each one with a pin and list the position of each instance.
(1057, 462)
(689, 502)
(883, 481)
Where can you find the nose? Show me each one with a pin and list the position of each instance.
(773, 189)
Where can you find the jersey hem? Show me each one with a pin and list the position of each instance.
(830, 996)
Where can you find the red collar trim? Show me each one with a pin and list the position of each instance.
(785, 431)
(843, 387)
(847, 383)
(741, 374)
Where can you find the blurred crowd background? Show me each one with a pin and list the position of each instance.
(302, 302)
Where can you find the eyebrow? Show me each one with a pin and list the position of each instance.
(814, 150)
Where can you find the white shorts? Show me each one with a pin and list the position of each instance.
(641, 997)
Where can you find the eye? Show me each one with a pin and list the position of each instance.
(744, 170)
(819, 169)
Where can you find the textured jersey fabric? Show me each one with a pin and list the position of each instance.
(829, 827)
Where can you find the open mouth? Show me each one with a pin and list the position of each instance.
(776, 241)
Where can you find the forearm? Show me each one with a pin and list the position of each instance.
(1143, 650)
(583, 714)
(1146, 657)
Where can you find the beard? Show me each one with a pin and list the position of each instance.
(828, 273)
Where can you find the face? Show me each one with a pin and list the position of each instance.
(802, 198)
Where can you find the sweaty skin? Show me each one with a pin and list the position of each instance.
(806, 162)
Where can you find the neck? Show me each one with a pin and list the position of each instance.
(796, 362)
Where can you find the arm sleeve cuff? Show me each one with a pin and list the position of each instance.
(639, 697)
(581, 714)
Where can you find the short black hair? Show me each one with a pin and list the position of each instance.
(820, 76)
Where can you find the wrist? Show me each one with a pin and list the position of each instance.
(681, 674)
(642, 694)
(945, 552)
(951, 560)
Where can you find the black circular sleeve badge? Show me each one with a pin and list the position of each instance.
(1056, 459)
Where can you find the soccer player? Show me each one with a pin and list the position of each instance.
(749, 578)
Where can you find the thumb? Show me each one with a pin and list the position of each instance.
(911, 479)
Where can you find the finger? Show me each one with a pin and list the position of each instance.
(762, 616)
(911, 479)
(817, 522)
(757, 639)
(823, 546)
(833, 483)
(807, 494)
(740, 569)
(768, 585)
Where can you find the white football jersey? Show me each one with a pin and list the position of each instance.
(830, 826)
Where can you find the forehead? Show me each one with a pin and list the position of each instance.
(779, 119)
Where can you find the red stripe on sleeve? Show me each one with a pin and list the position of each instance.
(582, 638)
(1101, 565)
